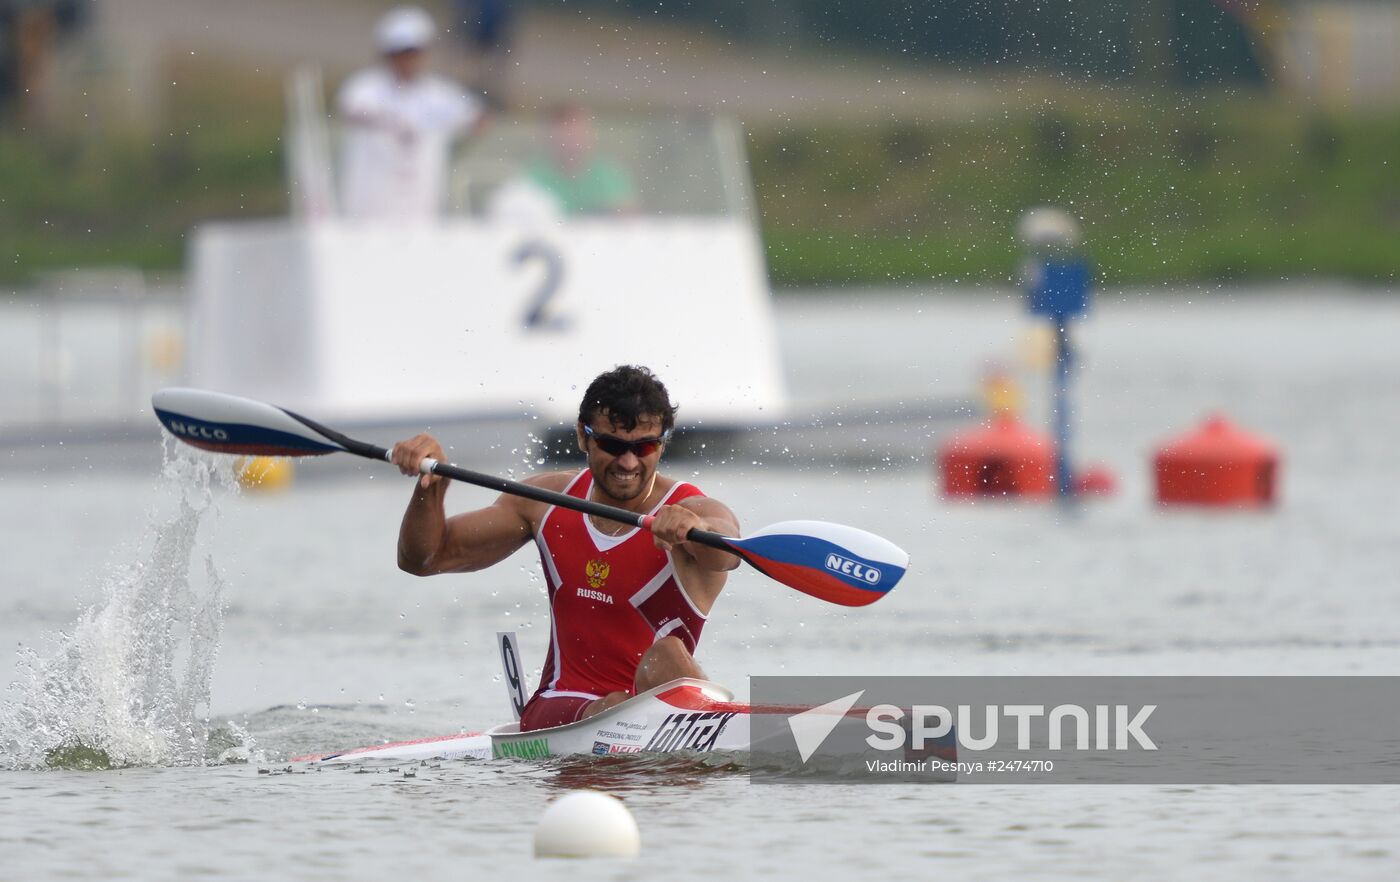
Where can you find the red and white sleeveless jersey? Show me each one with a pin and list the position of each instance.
(610, 599)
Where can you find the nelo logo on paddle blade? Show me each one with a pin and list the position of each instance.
(847, 567)
(194, 430)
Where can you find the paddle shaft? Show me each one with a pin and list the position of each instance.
(516, 488)
(831, 562)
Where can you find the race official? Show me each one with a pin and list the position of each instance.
(626, 606)
(400, 124)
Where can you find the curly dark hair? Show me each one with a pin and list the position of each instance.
(624, 395)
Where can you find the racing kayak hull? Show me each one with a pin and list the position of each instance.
(685, 716)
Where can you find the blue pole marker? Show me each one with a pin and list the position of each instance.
(1059, 291)
(1064, 480)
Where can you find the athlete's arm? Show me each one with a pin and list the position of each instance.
(431, 543)
(674, 522)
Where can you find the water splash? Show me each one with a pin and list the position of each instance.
(129, 683)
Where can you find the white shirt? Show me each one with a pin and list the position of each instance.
(396, 142)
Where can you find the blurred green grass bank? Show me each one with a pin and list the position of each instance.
(1225, 189)
(94, 190)
(1219, 189)
(1173, 181)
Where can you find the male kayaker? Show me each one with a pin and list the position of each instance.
(626, 607)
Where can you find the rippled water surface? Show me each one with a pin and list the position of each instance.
(324, 644)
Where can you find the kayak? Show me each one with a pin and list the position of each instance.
(685, 716)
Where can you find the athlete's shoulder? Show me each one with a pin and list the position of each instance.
(556, 481)
(676, 489)
(534, 510)
(692, 497)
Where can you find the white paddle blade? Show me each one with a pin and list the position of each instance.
(229, 424)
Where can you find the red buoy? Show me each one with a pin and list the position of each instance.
(1095, 480)
(1002, 458)
(1217, 464)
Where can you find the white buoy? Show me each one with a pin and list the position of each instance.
(586, 823)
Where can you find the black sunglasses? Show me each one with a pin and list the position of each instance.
(612, 446)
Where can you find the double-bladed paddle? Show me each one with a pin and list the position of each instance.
(832, 562)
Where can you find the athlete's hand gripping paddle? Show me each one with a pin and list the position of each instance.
(832, 562)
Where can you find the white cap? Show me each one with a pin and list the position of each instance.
(1047, 227)
(406, 27)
